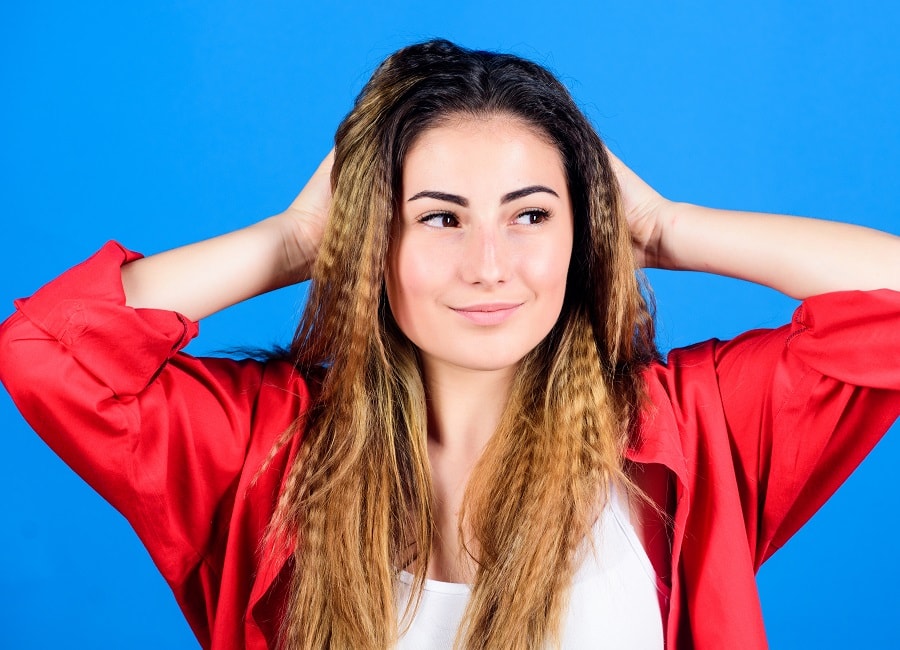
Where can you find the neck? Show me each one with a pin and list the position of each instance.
(464, 409)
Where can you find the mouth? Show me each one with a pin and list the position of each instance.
(488, 313)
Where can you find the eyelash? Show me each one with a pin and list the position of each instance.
(543, 215)
(431, 216)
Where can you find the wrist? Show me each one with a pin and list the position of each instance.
(659, 221)
(296, 250)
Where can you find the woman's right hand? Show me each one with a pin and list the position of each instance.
(304, 219)
(202, 278)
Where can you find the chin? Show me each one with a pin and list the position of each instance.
(483, 360)
(482, 365)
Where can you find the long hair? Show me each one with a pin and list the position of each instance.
(357, 502)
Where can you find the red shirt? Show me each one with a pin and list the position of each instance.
(755, 434)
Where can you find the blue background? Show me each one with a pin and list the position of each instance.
(162, 123)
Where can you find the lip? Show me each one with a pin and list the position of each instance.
(492, 313)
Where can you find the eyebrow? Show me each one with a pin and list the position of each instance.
(464, 202)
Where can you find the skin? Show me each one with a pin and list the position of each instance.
(205, 277)
(797, 256)
(508, 245)
(476, 279)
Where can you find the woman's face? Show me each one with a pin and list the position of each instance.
(480, 253)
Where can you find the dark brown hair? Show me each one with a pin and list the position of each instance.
(358, 498)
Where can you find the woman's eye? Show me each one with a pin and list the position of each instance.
(532, 217)
(440, 220)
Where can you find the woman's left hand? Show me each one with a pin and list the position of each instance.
(644, 209)
(759, 248)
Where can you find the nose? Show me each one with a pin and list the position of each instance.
(487, 257)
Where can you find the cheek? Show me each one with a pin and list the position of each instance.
(548, 270)
(411, 279)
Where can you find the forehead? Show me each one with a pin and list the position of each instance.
(498, 152)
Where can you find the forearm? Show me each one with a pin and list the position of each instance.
(206, 277)
(798, 256)
(202, 278)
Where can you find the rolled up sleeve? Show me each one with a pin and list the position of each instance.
(161, 435)
(805, 403)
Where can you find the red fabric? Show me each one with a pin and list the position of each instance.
(755, 434)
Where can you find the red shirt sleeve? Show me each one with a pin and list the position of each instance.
(161, 435)
(805, 403)
(759, 432)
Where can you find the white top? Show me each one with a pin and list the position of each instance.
(613, 603)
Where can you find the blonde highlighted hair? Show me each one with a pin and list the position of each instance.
(358, 500)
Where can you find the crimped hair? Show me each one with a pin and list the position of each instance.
(357, 504)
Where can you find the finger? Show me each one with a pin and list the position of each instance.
(316, 194)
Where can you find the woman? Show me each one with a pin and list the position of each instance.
(473, 396)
